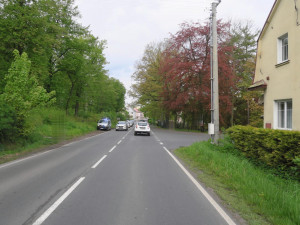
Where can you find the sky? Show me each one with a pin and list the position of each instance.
(129, 25)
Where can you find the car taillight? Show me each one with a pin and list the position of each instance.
(136, 126)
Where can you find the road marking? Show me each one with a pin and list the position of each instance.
(161, 143)
(204, 192)
(46, 214)
(119, 142)
(97, 163)
(112, 148)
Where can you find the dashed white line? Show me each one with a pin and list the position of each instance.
(97, 163)
(112, 148)
(46, 214)
(204, 192)
(161, 143)
(119, 142)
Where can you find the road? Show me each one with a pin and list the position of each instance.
(114, 178)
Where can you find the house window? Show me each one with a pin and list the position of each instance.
(284, 114)
(283, 49)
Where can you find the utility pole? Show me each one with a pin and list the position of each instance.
(214, 126)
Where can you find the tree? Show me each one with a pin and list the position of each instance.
(22, 91)
(243, 40)
(187, 73)
(8, 122)
(148, 86)
(37, 28)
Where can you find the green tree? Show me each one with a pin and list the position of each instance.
(22, 91)
(8, 122)
(65, 57)
(39, 28)
(78, 72)
(148, 86)
(243, 40)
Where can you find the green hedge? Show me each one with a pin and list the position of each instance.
(276, 148)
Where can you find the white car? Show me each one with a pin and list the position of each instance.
(121, 125)
(142, 127)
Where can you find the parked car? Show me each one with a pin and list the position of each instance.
(104, 124)
(131, 122)
(142, 127)
(121, 125)
(128, 123)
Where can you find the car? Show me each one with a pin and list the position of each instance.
(121, 125)
(142, 127)
(128, 123)
(131, 123)
(104, 124)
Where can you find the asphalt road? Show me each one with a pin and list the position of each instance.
(114, 178)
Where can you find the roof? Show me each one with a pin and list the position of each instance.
(275, 5)
(261, 84)
(136, 110)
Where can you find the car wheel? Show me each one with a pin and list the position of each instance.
(149, 134)
(135, 133)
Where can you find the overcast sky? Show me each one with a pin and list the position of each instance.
(129, 25)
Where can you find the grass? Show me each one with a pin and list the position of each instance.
(47, 126)
(256, 194)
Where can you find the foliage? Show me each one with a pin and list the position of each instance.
(8, 122)
(49, 126)
(256, 194)
(65, 57)
(245, 108)
(148, 84)
(37, 28)
(186, 71)
(173, 78)
(60, 59)
(277, 149)
(22, 91)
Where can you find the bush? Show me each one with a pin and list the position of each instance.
(277, 149)
(8, 122)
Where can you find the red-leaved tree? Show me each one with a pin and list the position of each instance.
(186, 73)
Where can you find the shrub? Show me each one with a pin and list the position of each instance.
(277, 149)
(8, 122)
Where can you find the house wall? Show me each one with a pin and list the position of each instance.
(283, 82)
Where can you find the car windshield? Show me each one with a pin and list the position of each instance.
(142, 124)
(121, 122)
(103, 121)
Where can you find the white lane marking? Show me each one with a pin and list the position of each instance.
(204, 192)
(47, 213)
(112, 148)
(97, 163)
(161, 143)
(119, 142)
